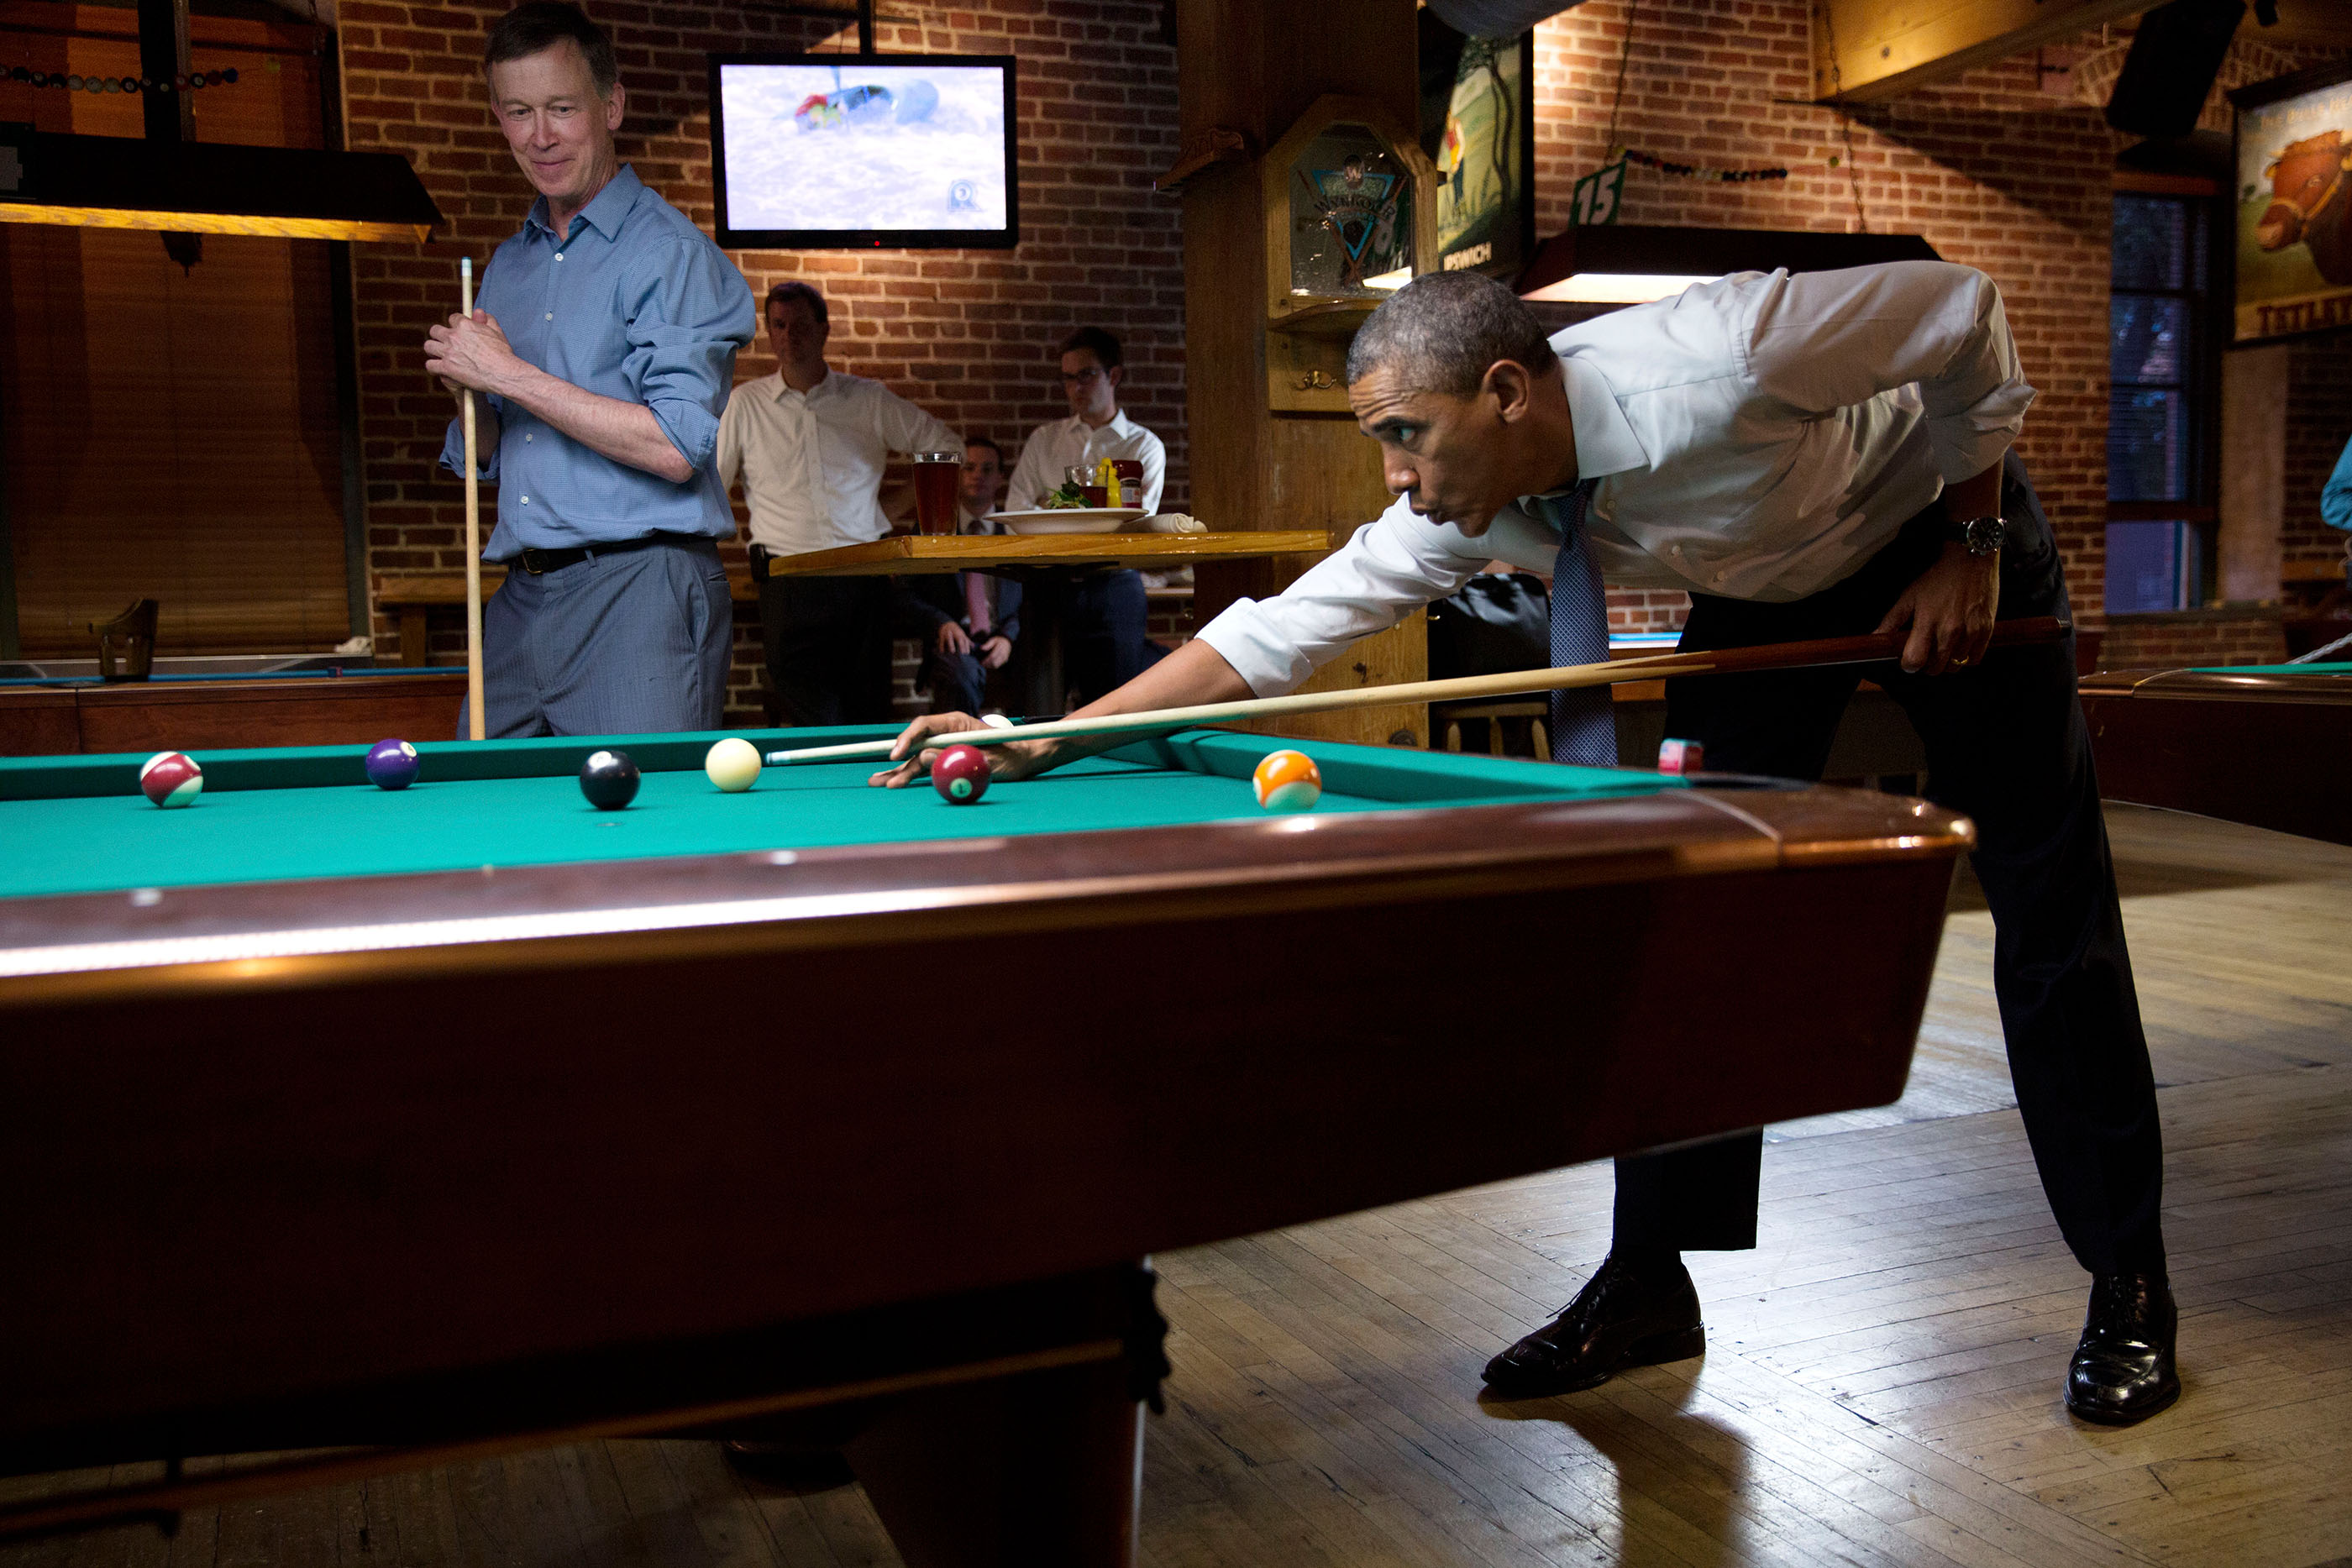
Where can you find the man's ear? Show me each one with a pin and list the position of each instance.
(615, 105)
(1508, 382)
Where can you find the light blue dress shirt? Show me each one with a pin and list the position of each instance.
(635, 303)
(2336, 499)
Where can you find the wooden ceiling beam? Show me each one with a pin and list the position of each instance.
(1864, 50)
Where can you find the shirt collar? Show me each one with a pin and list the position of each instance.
(1119, 426)
(827, 385)
(605, 211)
(1605, 442)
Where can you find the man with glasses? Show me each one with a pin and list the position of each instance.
(809, 444)
(1101, 613)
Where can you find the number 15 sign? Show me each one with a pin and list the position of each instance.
(1597, 197)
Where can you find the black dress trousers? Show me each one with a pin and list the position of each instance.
(2006, 743)
(828, 645)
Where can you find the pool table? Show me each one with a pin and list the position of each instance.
(468, 1115)
(2266, 745)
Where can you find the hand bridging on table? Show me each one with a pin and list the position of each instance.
(1949, 611)
(470, 352)
(922, 741)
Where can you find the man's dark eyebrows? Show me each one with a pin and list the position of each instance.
(1389, 423)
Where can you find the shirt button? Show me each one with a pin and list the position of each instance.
(551, 315)
(525, 435)
(1719, 577)
(526, 500)
(559, 256)
(1672, 549)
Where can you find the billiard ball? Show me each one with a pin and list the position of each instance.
(732, 764)
(961, 774)
(391, 765)
(609, 780)
(169, 779)
(1288, 781)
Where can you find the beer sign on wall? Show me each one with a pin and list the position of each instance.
(2294, 204)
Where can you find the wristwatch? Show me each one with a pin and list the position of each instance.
(1983, 536)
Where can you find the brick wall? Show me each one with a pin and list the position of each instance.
(2237, 634)
(1993, 173)
(968, 334)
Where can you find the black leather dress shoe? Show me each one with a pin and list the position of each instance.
(1625, 1316)
(2122, 1369)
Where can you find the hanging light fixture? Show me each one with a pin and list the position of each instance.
(1631, 264)
(170, 182)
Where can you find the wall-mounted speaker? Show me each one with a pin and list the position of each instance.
(2174, 58)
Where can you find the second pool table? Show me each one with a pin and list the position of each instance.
(2266, 745)
(470, 1115)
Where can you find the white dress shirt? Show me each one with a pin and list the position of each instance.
(1757, 437)
(1052, 448)
(811, 462)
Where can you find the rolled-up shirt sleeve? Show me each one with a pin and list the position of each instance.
(1389, 569)
(453, 445)
(1825, 341)
(689, 312)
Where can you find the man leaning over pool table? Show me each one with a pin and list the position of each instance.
(1807, 457)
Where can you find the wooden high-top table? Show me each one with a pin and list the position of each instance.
(1026, 557)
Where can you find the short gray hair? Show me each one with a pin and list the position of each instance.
(1442, 331)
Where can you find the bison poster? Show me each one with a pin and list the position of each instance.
(2295, 204)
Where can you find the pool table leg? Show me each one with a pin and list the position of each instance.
(1041, 1469)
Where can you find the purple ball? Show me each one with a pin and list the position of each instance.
(392, 764)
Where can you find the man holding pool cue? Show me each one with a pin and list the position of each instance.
(1808, 456)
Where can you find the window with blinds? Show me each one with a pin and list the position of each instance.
(166, 435)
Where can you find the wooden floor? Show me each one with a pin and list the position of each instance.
(1882, 1375)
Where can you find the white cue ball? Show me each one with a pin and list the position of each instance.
(732, 765)
(995, 721)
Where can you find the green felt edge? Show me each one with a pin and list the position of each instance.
(2334, 669)
(1382, 772)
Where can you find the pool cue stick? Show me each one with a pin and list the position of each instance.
(474, 717)
(1873, 649)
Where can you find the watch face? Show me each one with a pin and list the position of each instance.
(1985, 535)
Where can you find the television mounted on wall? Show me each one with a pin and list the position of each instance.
(842, 152)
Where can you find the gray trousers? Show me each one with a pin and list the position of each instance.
(635, 642)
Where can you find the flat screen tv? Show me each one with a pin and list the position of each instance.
(863, 151)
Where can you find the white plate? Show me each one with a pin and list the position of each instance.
(1070, 519)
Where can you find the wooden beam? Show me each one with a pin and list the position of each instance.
(1864, 50)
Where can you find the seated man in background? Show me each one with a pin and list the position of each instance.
(809, 444)
(1101, 613)
(967, 621)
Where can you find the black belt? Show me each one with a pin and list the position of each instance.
(539, 562)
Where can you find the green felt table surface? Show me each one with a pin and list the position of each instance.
(79, 824)
(2335, 669)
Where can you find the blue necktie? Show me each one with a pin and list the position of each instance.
(1583, 722)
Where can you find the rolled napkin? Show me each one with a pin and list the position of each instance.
(1169, 523)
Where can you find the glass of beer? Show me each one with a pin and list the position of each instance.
(937, 474)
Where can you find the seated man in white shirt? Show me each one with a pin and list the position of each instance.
(1807, 457)
(1101, 613)
(809, 444)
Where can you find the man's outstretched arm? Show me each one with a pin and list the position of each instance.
(1194, 673)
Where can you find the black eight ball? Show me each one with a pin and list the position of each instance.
(609, 780)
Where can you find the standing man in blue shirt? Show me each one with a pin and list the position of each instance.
(2336, 496)
(604, 340)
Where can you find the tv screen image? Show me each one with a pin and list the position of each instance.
(847, 150)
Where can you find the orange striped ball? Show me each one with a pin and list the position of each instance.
(1288, 781)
